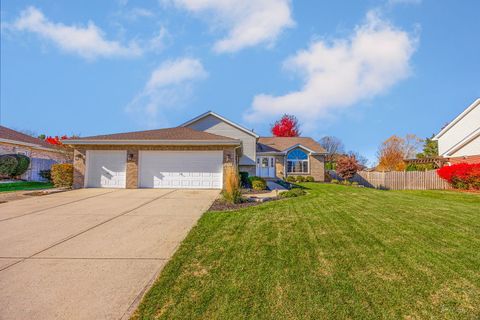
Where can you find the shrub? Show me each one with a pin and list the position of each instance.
(8, 163)
(291, 179)
(347, 166)
(309, 179)
(293, 193)
(62, 175)
(46, 174)
(462, 175)
(334, 181)
(244, 179)
(346, 182)
(354, 183)
(232, 193)
(22, 166)
(259, 185)
(300, 178)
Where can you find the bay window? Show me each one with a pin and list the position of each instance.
(297, 161)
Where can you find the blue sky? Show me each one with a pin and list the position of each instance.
(358, 70)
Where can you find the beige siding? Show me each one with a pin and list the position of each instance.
(214, 125)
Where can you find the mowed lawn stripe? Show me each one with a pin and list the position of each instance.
(338, 252)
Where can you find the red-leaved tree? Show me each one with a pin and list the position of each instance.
(287, 126)
(56, 140)
(347, 166)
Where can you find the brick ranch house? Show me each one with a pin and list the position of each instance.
(459, 141)
(42, 154)
(192, 155)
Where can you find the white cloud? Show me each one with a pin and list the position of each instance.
(169, 86)
(340, 73)
(248, 22)
(86, 41)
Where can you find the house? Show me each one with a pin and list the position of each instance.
(459, 141)
(192, 155)
(42, 154)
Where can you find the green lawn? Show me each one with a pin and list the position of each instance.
(24, 185)
(338, 253)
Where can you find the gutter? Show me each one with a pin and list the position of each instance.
(153, 142)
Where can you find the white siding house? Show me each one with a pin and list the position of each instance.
(460, 139)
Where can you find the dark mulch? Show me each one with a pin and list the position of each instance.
(220, 205)
(253, 191)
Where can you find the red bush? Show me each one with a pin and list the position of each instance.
(462, 175)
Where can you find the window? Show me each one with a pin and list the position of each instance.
(264, 162)
(297, 161)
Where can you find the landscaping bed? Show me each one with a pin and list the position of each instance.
(338, 252)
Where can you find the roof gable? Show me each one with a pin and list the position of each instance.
(462, 115)
(285, 144)
(216, 115)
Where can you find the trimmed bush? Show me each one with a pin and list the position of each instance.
(354, 183)
(334, 181)
(46, 174)
(346, 182)
(8, 164)
(22, 166)
(293, 193)
(244, 179)
(62, 175)
(291, 179)
(259, 184)
(300, 179)
(309, 179)
(462, 175)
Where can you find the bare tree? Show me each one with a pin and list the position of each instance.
(333, 146)
(362, 161)
(412, 145)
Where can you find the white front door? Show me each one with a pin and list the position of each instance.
(181, 169)
(106, 169)
(266, 167)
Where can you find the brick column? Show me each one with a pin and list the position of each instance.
(79, 164)
(132, 169)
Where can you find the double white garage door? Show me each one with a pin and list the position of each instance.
(156, 169)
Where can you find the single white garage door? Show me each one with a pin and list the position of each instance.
(106, 169)
(181, 169)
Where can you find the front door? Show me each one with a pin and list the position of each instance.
(266, 167)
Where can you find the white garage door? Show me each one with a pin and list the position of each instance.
(106, 169)
(181, 169)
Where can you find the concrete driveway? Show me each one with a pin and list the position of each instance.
(90, 253)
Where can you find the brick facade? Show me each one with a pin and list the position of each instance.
(466, 159)
(79, 162)
(316, 168)
(31, 152)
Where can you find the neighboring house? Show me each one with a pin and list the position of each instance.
(459, 141)
(193, 155)
(42, 154)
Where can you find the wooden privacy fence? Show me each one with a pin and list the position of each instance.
(398, 180)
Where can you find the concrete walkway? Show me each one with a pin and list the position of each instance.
(90, 253)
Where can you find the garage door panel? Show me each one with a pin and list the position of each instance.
(106, 169)
(181, 169)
